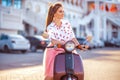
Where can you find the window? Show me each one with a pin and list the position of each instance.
(69, 16)
(0, 37)
(74, 17)
(29, 6)
(4, 37)
(6, 2)
(17, 4)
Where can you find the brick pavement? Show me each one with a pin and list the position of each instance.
(27, 73)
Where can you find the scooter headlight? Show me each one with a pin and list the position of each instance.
(70, 46)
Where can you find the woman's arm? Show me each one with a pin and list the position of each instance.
(54, 42)
(45, 35)
(75, 41)
(62, 42)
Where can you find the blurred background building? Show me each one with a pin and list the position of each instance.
(99, 18)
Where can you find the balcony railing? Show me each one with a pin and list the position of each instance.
(34, 19)
(114, 17)
(11, 18)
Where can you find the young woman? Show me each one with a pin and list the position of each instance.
(59, 32)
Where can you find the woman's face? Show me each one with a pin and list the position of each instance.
(59, 13)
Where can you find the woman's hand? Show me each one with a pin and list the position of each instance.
(82, 47)
(85, 47)
(79, 47)
(45, 35)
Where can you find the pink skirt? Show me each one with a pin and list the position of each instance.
(48, 61)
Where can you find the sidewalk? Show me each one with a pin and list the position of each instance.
(27, 73)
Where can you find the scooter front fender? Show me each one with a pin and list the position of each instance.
(60, 69)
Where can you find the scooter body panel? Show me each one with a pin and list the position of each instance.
(60, 69)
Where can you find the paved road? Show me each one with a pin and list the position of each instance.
(18, 60)
(102, 64)
(99, 64)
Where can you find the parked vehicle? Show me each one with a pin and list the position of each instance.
(37, 42)
(112, 43)
(117, 44)
(9, 42)
(81, 40)
(97, 43)
(68, 65)
(100, 43)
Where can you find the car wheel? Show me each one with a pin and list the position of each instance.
(33, 48)
(23, 51)
(6, 49)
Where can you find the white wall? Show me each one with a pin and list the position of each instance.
(109, 31)
(104, 28)
(10, 19)
(119, 33)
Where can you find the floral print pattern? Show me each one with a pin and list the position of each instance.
(64, 33)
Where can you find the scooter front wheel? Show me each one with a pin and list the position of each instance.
(70, 77)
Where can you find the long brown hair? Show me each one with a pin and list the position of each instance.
(52, 10)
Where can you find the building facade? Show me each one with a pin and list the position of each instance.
(99, 18)
(11, 16)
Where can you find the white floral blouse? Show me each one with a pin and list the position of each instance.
(64, 33)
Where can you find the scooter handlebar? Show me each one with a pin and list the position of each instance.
(79, 47)
(56, 46)
(84, 46)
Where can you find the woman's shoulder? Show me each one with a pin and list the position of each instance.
(64, 21)
(50, 26)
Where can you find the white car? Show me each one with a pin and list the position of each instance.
(94, 43)
(9, 42)
(100, 43)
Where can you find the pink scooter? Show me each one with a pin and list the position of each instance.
(68, 65)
